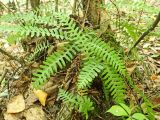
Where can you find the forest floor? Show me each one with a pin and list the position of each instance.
(18, 101)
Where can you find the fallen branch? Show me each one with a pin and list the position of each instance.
(3, 75)
(155, 23)
(10, 56)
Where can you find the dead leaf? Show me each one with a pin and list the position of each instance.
(8, 116)
(130, 67)
(60, 46)
(154, 77)
(52, 89)
(155, 100)
(16, 104)
(41, 95)
(31, 99)
(35, 113)
(126, 50)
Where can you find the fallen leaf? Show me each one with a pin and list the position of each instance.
(155, 100)
(154, 77)
(130, 66)
(126, 50)
(16, 104)
(8, 116)
(41, 95)
(31, 98)
(34, 113)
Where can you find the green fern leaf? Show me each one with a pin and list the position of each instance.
(89, 71)
(85, 105)
(67, 97)
(113, 82)
(81, 103)
(52, 63)
(38, 50)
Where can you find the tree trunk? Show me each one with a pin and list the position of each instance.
(34, 3)
(27, 1)
(96, 15)
(91, 11)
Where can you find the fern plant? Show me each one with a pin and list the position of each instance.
(41, 47)
(114, 83)
(54, 62)
(91, 68)
(100, 58)
(82, 103)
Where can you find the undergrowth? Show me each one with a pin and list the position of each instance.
(99, 58)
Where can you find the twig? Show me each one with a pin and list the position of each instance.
(85, 15)
(3, 76)
(74, 7)
(140, 16)
(18, 5)
(56, 5)
(1, 3)
(119, 18)
(8, 82)
(27, 2)
(10, 56)
(155, 23)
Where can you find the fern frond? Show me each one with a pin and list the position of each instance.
(38, 50)
(29, 18)
(34, 31)
(89, 71)
(82, 103)
(85, 105)
(148, 105)
(67, 97)
(113, 82)
(92, 44)
(106, 53)
(53, 62)
(38, 31)
(14, 37)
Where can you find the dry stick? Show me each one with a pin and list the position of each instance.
(1, 3)
(3, 76)
(18, 5)
(155, 23)
(85, 15)
(27, 2)
(74, 7)
(140, 16)
(119, 18)
(9, 80)
(56, 6)
(10, 56)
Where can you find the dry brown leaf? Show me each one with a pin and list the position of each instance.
(35, 65)
(155, 100)
(154, 77)
(126, 50)
(31, 99)
(60, 46)
(8, 116)
(35, 113)
(16, 104)
(41, 95)
(131, 69)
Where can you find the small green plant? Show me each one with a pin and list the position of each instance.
(124, 111)
(81, 103)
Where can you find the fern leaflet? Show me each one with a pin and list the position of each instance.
(82, 103)
(89, 71)
(38, 50)
(114, 83)
(53, 62)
